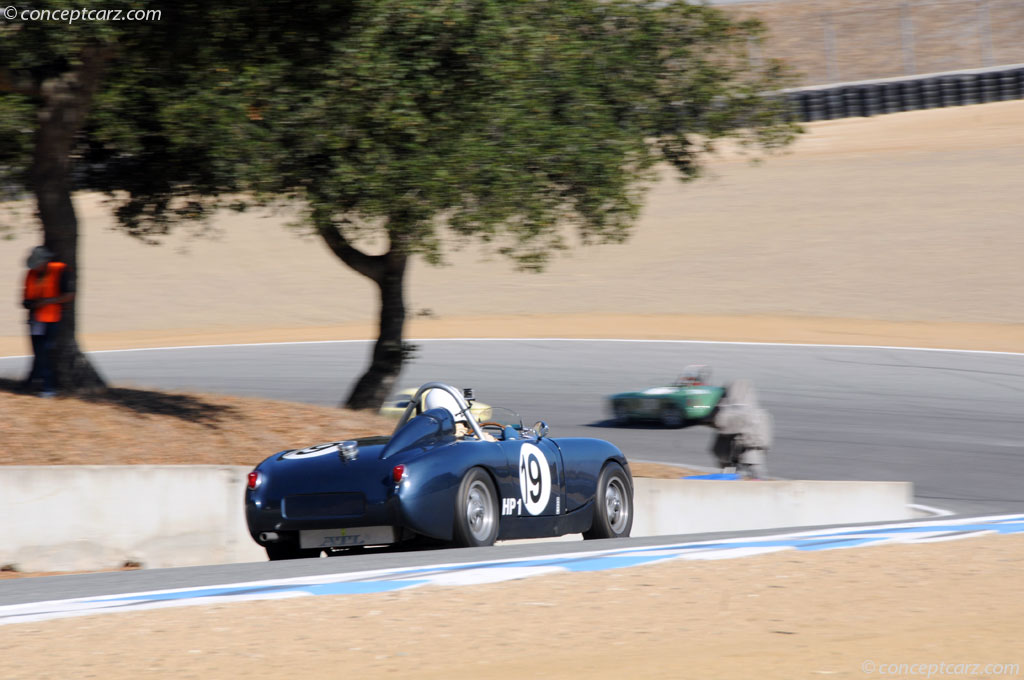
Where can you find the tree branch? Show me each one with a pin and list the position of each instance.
(370, 266)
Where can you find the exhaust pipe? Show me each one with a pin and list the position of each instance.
(269, 537)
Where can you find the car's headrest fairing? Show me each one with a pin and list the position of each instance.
(430, 427)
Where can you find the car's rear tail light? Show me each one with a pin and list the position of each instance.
(254, 479)
(398, 473)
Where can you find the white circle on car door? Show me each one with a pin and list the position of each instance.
(534, 479)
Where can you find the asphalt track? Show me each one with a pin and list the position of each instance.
(950, 422)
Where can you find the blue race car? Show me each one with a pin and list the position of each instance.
(442, 477)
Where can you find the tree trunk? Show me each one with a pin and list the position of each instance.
(388, 272)
(389, 352)
(65, 102)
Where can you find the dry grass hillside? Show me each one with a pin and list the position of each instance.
(911, 217)
(847, 40)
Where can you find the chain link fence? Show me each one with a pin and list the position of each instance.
(833, 41)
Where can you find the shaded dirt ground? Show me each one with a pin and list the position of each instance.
(899, 230)
(147, 427)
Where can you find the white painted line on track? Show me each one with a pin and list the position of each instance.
(938, 512)
(611, 340)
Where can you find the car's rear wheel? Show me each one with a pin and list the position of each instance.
(671, 416)
(476, 510)
(613, 507)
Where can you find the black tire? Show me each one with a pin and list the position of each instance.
(613, 504)
(288, 549)
(671, 416)
(619, 413)
(476, 511)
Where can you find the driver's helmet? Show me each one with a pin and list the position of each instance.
(695, 375)
(438, 398)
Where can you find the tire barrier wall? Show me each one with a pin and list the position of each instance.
(88, 517)
(892, 95)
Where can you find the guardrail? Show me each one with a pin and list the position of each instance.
(892, 95)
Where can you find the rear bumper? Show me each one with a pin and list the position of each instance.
(262, 516)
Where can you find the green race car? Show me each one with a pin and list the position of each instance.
(689, 400)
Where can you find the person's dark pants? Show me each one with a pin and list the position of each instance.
(42, 363)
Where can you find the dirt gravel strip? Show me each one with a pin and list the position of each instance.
(781, 616)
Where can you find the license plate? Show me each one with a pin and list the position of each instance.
(346, 538)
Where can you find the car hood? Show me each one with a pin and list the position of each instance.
(649, 392)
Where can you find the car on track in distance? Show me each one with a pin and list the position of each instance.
(688, 400)
(396, 404)
(442, 477)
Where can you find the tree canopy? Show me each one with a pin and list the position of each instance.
(419, 121)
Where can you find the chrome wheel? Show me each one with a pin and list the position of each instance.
(613, 505)
(480, 511)
(616, 505)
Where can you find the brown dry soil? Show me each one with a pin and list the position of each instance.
(902, 230)
(148, 427)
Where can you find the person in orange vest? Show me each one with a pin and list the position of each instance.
(48, 287)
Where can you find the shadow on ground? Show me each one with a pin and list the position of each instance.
(148, 402)
(641, 425)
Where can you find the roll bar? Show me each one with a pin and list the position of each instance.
(414, 404)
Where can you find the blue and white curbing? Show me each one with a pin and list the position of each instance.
(468, 574)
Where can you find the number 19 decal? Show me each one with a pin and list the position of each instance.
(534, 479)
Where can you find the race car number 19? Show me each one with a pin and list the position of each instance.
(534, 479)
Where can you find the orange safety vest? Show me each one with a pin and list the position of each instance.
(45, 286)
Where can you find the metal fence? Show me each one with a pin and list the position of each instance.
(832, 41)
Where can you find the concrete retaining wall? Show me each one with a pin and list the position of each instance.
(99, 517)
(682, 506)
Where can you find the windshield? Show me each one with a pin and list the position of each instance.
(505, 417)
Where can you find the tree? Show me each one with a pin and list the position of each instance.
(504, 121)
(141, 106)
(50, 96)
(411, 120)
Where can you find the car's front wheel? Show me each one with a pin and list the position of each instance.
(476, 510)
(671, 416)
(613, 507)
